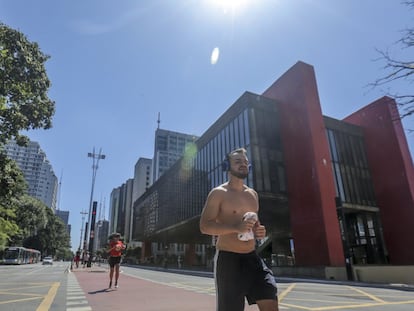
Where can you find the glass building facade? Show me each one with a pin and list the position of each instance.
(168, 212)
(358, 213)
(177, 198)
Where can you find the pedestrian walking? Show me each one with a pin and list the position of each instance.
(116, 246)
(77, 259)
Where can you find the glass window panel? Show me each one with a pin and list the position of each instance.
(265, 171)
(232, 147)
(334, 152)
(241, 130)
(236, 133)
(228, 147)
(208, 157)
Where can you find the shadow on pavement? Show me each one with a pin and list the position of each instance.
(105, 290)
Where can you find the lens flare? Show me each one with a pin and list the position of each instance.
(215, 56)
(190, 151)
(231, 5)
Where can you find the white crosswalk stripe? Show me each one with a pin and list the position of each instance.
(75, 298)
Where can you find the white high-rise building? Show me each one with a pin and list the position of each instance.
(169, 147)
(142, 177)
(38, 172)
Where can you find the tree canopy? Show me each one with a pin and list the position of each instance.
(24, 103)
(12, 186)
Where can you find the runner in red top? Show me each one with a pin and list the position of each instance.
(116, 246)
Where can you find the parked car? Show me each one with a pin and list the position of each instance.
(48, 260)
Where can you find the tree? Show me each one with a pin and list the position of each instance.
(31, 216)
(12, 186)
(53, 239)
(398, 69)
(24, 103)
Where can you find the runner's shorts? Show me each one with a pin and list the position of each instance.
(242, 275)
(114, 261)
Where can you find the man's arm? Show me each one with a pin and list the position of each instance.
(209, 215)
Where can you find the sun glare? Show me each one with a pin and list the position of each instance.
(215, 56)
(230, 5)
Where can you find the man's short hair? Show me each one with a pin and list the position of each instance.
(237, 151)
(225, 165)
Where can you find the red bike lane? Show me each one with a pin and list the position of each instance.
(137, 294)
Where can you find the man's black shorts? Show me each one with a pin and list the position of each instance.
(114, 261)
(242, 275)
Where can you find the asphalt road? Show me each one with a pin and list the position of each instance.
(33, 287)
(43, 288)
(316, 296)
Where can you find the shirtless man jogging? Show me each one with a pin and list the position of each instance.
(239, 272)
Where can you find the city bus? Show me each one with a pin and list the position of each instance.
(20, 255)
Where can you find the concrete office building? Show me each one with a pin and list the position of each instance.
(169, 146)
(332, 193)
(142, 177)
(102, 233)
(120, 206)
(38, 172)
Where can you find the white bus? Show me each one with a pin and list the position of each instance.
(20, 255)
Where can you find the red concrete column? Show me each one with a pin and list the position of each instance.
(392, 172)
(311, 191)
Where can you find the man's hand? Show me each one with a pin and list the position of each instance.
(259, 230)
(245, 225)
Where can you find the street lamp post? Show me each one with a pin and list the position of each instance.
(95, 164)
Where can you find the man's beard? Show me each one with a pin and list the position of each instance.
(240, 175)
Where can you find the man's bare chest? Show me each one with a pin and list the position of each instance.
(235, 206)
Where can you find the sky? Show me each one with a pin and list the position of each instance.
(114, 65)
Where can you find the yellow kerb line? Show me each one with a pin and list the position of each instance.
(47, 302)
(367, 294)
(285, 292)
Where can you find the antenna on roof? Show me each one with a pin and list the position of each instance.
(158, 121)
(59, 189)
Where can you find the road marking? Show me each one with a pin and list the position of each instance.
(18, 300)
(361, 305)
(75, 297)
(47, 302)
(285, 292)
(373, 297)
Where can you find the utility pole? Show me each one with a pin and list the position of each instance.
(95, 164)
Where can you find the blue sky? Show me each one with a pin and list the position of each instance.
(115, 64)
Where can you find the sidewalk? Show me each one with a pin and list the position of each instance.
(136, 294)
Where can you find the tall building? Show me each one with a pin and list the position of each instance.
(120, 209)
(142, 177)
(38, 172)
(64, 215)
(102, 228)
(168, 148)
(332, 193)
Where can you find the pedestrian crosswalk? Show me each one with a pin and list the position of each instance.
(75, 298)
